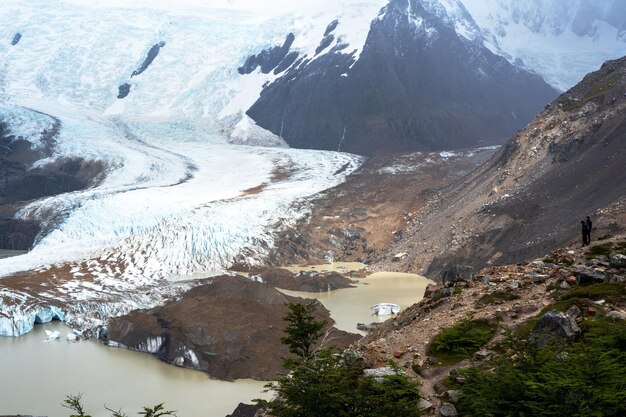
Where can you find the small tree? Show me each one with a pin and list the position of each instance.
(323, 383)
(302, 330)
(73, 402)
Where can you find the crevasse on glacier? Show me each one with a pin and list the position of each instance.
(173, 197)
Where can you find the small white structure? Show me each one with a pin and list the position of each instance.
(385, 309)
(71, 337)
(52, 335)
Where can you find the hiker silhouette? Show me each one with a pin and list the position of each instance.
(586, 233)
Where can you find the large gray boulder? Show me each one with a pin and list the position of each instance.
(554, 327)
(585, 275)
(457, 273)
(618, 261)
(447, 410)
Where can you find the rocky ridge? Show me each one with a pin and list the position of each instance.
(512, 295)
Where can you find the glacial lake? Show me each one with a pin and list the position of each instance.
(36, 376)
(349, 306)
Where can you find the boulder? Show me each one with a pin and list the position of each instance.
(454, 395)
(554, 327)
(616, 315)
(366, 327)
(431, 290)
(447, 410)
(618, 261)
(585, 275)
(539, 278)
(424, 405)
(457, 273)
(574, 311)
(245, 410)
(380, 373)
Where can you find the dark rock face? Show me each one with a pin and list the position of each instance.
(457, 273)
(230, 328)
(415, 87)
(331, 27)
(21, 183)
(271, 58)
(304, 281)
(124, 90)
(16, 39)
(17, 234)
(245, 410)
(554, 327)
(152, 54)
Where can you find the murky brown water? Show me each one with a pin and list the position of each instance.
(349, 306)
(35, 376)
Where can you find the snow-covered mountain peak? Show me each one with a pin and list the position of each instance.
(560, 39)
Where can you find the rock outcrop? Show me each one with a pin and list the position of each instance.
(554, 327)
(230, 328)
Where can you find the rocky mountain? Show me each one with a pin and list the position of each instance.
(423, 81)
(530, 197)
(574, 36)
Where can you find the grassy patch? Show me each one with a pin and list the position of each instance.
(460, 341)
(495, 297)
(594, 92)
(563, 305)
(609, 291)
(604, 249)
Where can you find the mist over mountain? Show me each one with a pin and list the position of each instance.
(560, 39)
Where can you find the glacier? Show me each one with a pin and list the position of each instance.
(175, 197)
(191, 183)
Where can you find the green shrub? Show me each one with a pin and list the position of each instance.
(607, 290)
(603, 249)
(461, 340)
(495, 297)
(586, 378)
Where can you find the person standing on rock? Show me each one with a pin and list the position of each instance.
(589, 224)
(585, 230)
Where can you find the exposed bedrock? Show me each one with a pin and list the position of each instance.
(152, 54)
(16, 39)
(230, 328)
(271, 58)
(22, 181)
